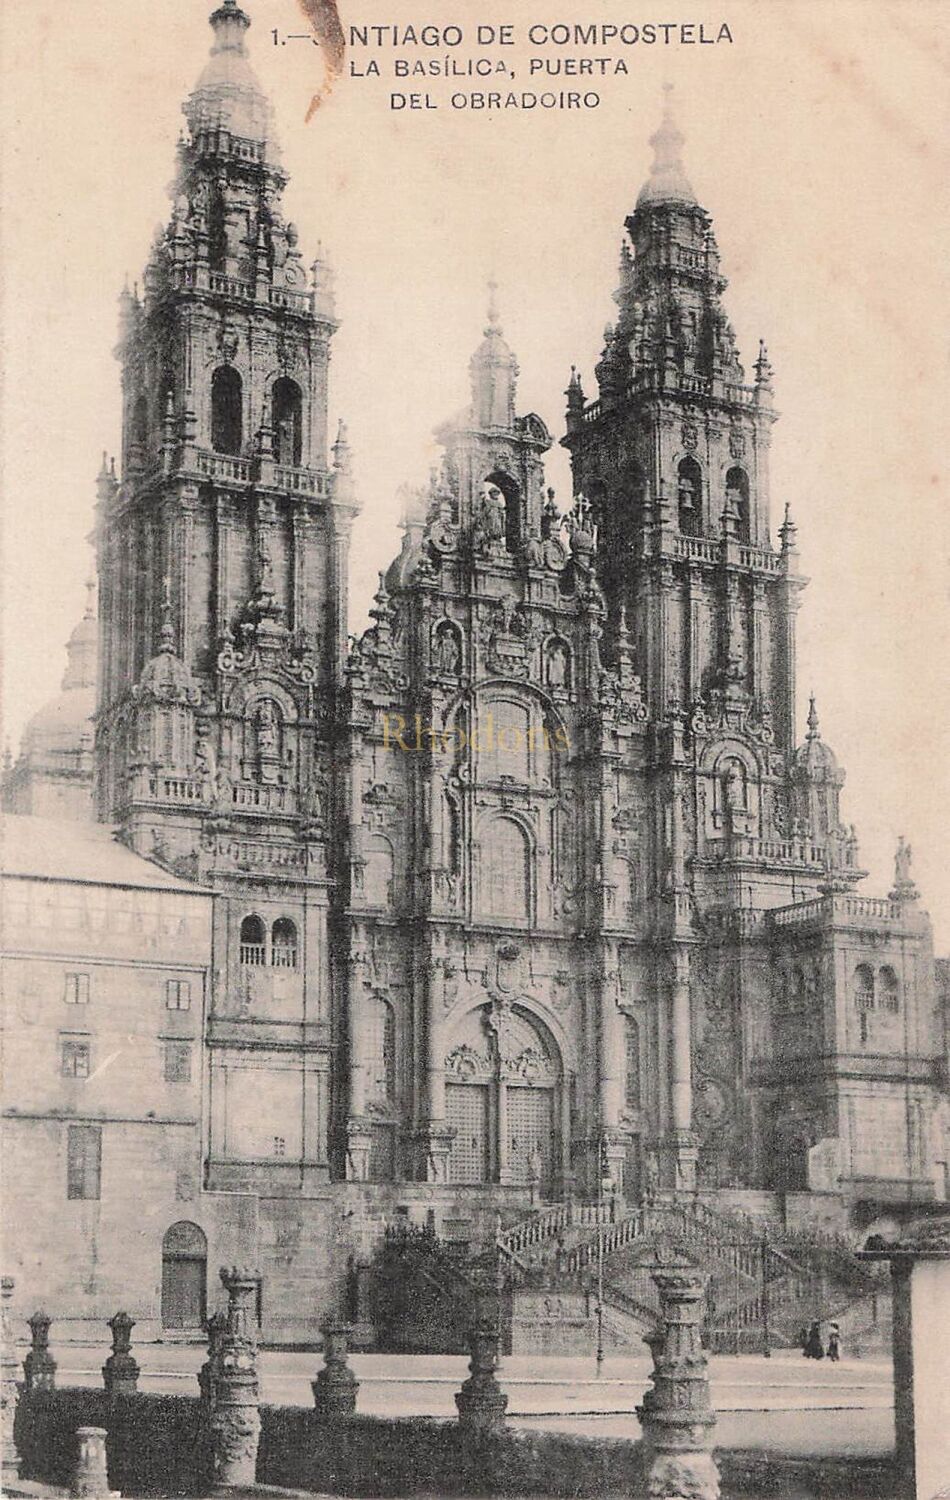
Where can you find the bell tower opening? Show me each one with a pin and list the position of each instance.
(287, 403)
(226, 414)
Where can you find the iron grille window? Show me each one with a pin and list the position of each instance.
(83, 1161)
(74, 1058)
(177, 1062)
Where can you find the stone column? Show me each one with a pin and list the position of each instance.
(336, 1387)
(681, 1074)
(676, 1416)
(120, 1373)
(90, 1476)
(235, 1419)
(39, 1367)
(481, 1402)
(8, 1385)
(215, 1326)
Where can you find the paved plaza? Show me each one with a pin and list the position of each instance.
(786, 1404)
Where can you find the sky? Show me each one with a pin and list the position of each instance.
(818, 139)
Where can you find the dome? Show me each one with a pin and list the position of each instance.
(64, 724)
(166, 675)
(228, 95)
(667, 182)
(814, 758)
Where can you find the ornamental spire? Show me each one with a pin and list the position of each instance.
(667, 182)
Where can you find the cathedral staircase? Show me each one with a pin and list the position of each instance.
(757, 1290)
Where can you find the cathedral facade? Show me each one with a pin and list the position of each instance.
(534, 883)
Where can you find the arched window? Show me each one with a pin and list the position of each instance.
(226, 416)
(503, 867)
(864, 987)
(287, 421)
(863, 990)
(890, 990)
(138, 433)
(283, 944)
(689, 494)
(253, 941)
(737, 492)
(631, 1093)
(378, 872)
(184, 1276)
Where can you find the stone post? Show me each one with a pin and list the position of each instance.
(481, 1402)
(234, 1418)
(39, 1367)
(676, 1415)
(215, 1328)
(90, 1476)
(8, 1385)
(335, 1388)
(120, 1373)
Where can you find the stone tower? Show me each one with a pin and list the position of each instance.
(223, 547)
(729, 829)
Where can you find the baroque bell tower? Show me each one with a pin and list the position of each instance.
(672, 459)
(223, 553)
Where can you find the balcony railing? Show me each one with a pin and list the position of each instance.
(223, 466)
(840, 909)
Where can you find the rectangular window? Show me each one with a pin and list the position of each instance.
(83, 1161)
(74, 1057)
(77, 989)
(177, 1062)
(178, 994)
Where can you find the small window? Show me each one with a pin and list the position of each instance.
(283, 947)
(77, 989)
(178, 994)
(253, 941)
(75, 1058)
(177, 1062)
(280, 1146)
(83, 1161)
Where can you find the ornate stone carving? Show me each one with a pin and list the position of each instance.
(335, 1388)
(234, 1417)
(39, 1367)
(120, 1373)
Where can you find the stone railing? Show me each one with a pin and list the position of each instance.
(299, 481)
(282, 296)
(223, 466)
(841, 910)
(762, 558)
(697, 549)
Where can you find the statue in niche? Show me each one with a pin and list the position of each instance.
(734, 788)
(557, 666)
(447, 653)
(490, 523)
(267, 729)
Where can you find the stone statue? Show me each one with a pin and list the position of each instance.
(557, 666)
(447, 654)
(490, 525)
(734, 788)
(902, 862)
(267, 729)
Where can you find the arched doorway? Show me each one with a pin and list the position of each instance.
(503, 1096)
(184, 1276)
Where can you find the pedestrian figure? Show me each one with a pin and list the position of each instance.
(803, 1340)
(814, 1349)
(834, 1343)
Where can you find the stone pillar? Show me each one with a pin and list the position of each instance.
(39, 1367)
(681, 1075)
(120, 1373)
(215, 1326)
(90, 1476)
(481, 1402)
(234, 1418)
(676, 1415)
(8, 1385)
(336, 1387)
